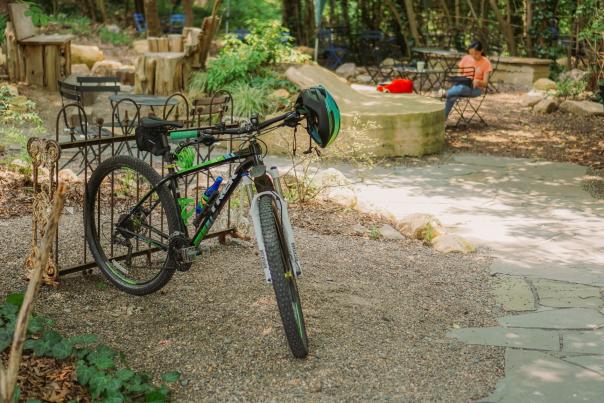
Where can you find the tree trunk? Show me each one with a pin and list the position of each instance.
(505, 27)
(412, 21)
(528, 21)
(187, 6)
(103, 10)
(291, 18)
(152, 18)
(397, 17)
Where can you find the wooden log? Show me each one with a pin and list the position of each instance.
(34, 65)
(192, 45)
(209, 28)
(12, 60)
(153, 44)
(175, 43)
(144, 75)
(163, 45)
(52, 67)
(168, 73)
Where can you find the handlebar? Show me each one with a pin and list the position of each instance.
(253, 126)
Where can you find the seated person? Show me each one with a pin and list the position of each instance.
(475, 58)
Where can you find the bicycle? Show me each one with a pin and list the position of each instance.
(152, 212)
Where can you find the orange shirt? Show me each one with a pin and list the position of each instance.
(481, 66)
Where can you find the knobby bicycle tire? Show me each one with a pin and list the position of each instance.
(283, 277)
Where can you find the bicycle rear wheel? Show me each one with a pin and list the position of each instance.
(129, 244)
(283, 277)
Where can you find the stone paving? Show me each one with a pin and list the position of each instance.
(547, 235)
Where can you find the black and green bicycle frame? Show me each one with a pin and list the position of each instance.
(248, 158)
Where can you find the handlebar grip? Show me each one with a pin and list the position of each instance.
(184, 134)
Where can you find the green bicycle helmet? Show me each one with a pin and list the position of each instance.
(322, 114)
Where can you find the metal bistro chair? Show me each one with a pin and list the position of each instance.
(467, 108)
(125, 116)
(139, 22)
(176, 24)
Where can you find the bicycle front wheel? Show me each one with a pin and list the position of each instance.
(129, 243)
(283, 277)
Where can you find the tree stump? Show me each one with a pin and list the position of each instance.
(161, 73)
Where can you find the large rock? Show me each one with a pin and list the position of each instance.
(141, 46)
(544, 84)
(447, 243)
(80, 69)
(343, 196)
(545, 106)
(574, 75)
(387, 232)
(346, 70)
(583, 108)
(87, 55)
(420, 226)
(106, 68)
(364, 79)
(388, 125)
(528, 101)
(330, 177)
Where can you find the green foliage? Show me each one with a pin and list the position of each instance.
(98, 367)
(569, 88)
(115, 38)
(247, 10)
(37, 14)
(374, 232)
(76, 25)
(3, 21)
(243, 68)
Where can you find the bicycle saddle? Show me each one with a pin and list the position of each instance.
(153, 123)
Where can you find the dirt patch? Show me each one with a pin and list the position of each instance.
(516, 132)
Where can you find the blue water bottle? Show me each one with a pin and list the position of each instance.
(205, 197)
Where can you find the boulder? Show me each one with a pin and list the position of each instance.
(125, 74)
(420, 226)
(113, 28)
(387, 232)
(88, 55)
(583, 108)
(106, 68)
(346, 70)
(358, 229)
(574, 75)
(545, 106)
(447, 243)
(330, 177)
(280, 93)
(388, 62)
(528, 101)
(141, 46)
(544, 84)
(343, 196)
(80, 69)
(364, 79)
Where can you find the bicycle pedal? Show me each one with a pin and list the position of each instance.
(190, 254)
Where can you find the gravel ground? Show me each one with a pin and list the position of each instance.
(376, 311)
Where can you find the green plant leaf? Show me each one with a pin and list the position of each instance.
(124, 374)
(171, 376)
(102, 357)
(99, 383)
(157, 395)
(62, 349)
(15, 299)
(6, 338)
(85, 373)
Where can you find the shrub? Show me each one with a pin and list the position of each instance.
(569, 88)
(115, 38)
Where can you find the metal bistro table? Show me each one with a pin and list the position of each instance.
(144, 100)
(447, 57)
(425, 80)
